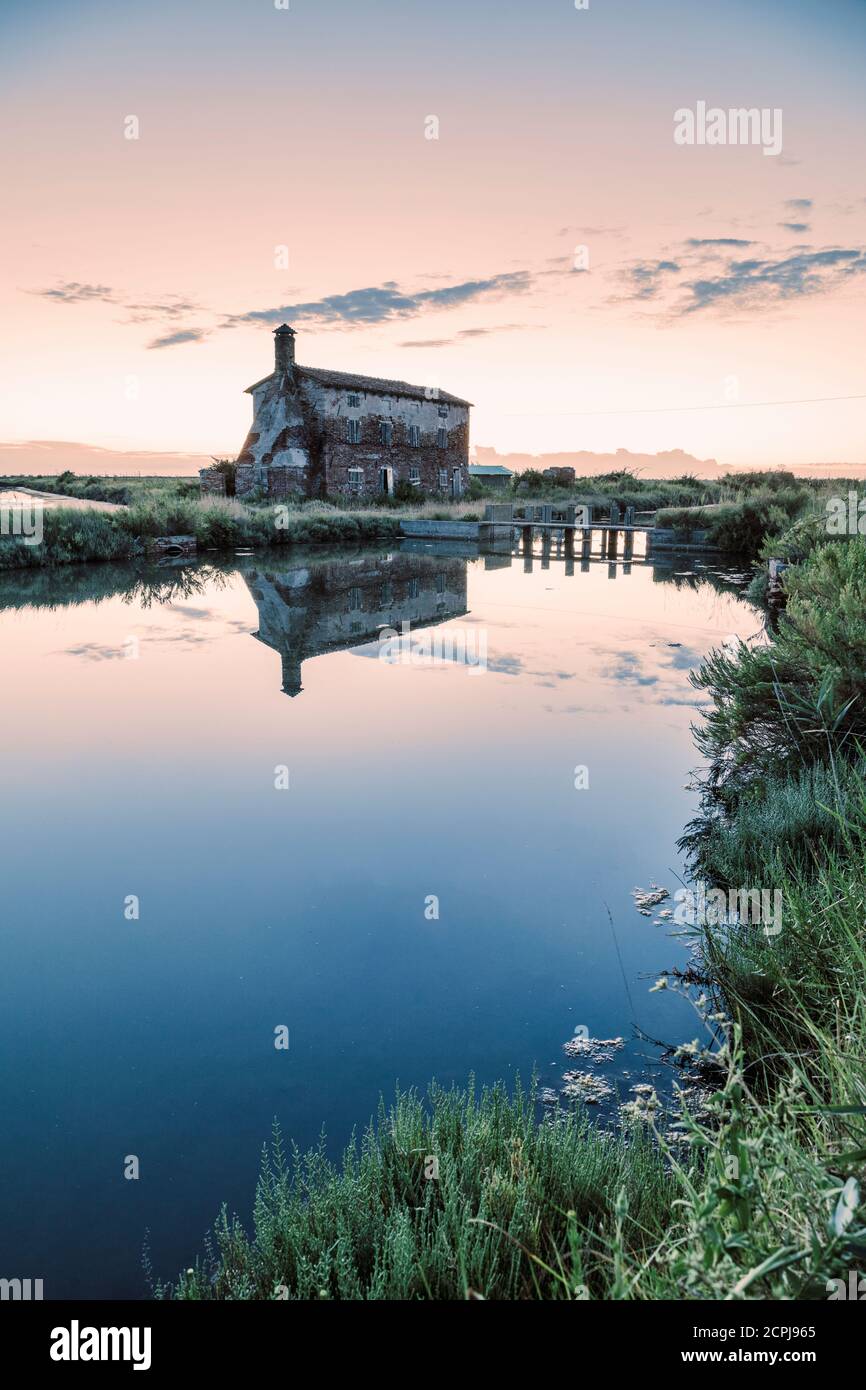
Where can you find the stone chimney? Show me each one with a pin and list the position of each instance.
(284, 348)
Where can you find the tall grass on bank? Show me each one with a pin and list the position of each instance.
(519, 1210)
(70, 537)
(740, 526)
(220, 525)
(780, 709)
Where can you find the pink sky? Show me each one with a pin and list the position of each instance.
(716, 274)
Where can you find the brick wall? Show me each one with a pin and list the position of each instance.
(286, 482)
(212, 482)
(370, 455)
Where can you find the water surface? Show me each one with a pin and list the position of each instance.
(144, 720)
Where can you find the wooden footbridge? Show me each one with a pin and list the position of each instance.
(507, 524)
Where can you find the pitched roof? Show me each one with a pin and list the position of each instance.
(353, 381)
(486, 469)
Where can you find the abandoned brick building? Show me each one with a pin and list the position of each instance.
(319, 433)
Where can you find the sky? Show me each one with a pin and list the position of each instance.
(483, 195)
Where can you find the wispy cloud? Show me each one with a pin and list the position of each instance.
(703, 274)
(183, 335)
(73, 292)
(645, 279)
(758, 282)
(468, 333)
(172, 307)
(799, 204)
(167, 308)
(697, 241)
(384, 303)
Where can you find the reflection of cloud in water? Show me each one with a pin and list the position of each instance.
(506, 665)
(154, 636)
(200, 614)
(626, 667)
(92, 651)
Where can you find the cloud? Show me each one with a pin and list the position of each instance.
(757, 282)
(467, 333)
(166, 309)
(646, 277)
(172, 307)
(799, 204)
(591, 231)
(688, 284)
(73, 292)
(384, 303)
(696, 241)
(183, 335)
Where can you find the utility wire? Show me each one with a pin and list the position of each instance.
(684, 409)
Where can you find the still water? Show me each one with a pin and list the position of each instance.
(147, 720)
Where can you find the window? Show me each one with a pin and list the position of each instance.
(386, 431)
(354, 400)
(443, 412)
(353, 431)
(415, 436)
(442, 439)
(356, 479)
(355, 600)
(443, 479)
(415, 477)
(414, 588)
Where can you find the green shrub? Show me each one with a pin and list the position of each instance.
(68, 537)
(741, 527)
(519, 1210)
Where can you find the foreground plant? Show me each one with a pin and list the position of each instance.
(466, 1196)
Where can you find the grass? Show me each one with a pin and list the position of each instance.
(757, 1193)
(218, 524)
(164, 507)
(519, 1210)
(121, 491)
(744, 514)
(741, 526)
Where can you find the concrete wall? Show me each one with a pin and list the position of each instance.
(457, 530)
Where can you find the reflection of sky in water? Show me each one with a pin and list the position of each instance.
(154, 776)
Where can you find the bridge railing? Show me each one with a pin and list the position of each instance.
(580, 515)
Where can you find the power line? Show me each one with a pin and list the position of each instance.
(684, 409)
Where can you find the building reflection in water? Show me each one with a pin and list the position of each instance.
(308, 609)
